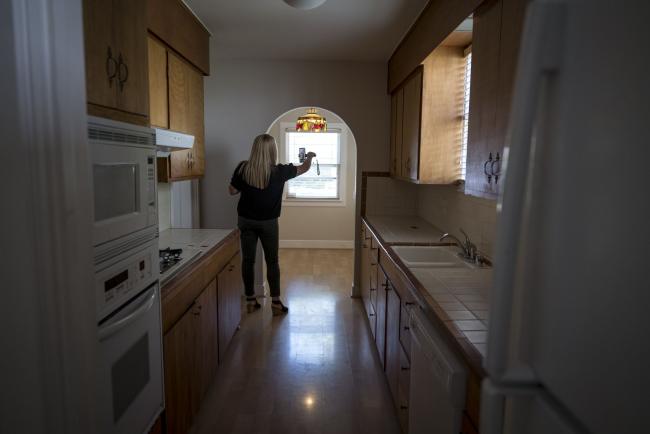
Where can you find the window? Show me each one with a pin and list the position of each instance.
(465, 123)
(311, 185)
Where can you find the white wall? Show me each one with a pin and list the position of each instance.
(319, 225)
(243, 97)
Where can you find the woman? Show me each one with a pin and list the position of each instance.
(260, 181)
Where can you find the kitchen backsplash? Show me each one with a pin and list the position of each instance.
(164, 206)
(385, 196)
(449, 209)
(443, 206)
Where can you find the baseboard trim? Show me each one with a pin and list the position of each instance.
(316, 244)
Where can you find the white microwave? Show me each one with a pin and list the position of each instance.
(124, 178)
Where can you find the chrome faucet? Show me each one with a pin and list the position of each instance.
(468, 247)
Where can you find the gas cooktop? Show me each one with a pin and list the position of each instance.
(168, 258)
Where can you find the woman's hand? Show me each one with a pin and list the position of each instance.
(311, 154)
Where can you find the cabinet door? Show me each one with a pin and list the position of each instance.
(399, 132)
(101, 53)
(396, 106)
(158, 93)
(208, 354)
(411, 126)
(181, 357)
(129, 23)
(228, 303)
(366, 292)
(393, 348)
(404, 390)
(237, 289)
(380, 334)
(483, 138)
(186, 115)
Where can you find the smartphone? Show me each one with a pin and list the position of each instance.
(301, 155)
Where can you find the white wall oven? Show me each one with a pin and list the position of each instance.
(124, 178)
(130, 372)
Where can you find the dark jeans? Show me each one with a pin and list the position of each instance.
(267, 232)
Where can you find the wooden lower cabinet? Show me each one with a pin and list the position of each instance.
(467, 426)
(380, 334)
(182, 357)
(403, 390)
(393, 347)
(229, 303)
(196, 343)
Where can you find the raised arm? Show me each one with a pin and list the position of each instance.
(304, 167)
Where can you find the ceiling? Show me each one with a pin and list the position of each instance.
(361, 30)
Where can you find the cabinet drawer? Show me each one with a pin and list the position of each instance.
(404, 332)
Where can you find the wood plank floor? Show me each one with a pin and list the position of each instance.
(314, 370)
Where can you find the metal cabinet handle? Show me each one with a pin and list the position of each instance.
(121, 66)
(409, 303)
(373, 289)
(407, 328)
(110, 61)
(498, 171)
(405, 368)
(371, 314)
(485, 168)
(386, 285)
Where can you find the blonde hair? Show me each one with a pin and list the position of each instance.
(264, 156)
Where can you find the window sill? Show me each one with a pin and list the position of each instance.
(314, 202)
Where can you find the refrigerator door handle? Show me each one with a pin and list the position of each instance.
(539, 55)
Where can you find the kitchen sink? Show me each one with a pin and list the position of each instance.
(429, 256)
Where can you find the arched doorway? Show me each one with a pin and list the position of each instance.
(318, 209)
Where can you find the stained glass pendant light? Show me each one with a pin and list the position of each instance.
(311, 122)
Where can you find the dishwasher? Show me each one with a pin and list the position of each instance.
(438, 381)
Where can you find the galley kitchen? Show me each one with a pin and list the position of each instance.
(324, 216)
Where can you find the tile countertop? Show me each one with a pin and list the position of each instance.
(405, 229)
(194, 242)
(459, 297)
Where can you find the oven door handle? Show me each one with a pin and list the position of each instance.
(109, 329)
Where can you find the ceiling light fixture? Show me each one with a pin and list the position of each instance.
(311, 122)
(304, 4)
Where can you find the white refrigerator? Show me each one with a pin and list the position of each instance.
(569, 335)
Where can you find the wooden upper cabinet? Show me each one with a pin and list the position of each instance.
(158, 91)
(483, 139)
(116, 59)
(497, 36)
(186, 115)
(399, 138)
(131, 38)
(101, 53)
(175, 25)
(426, 121)
(411, 121)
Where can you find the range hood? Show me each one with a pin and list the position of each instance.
(168, 140)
